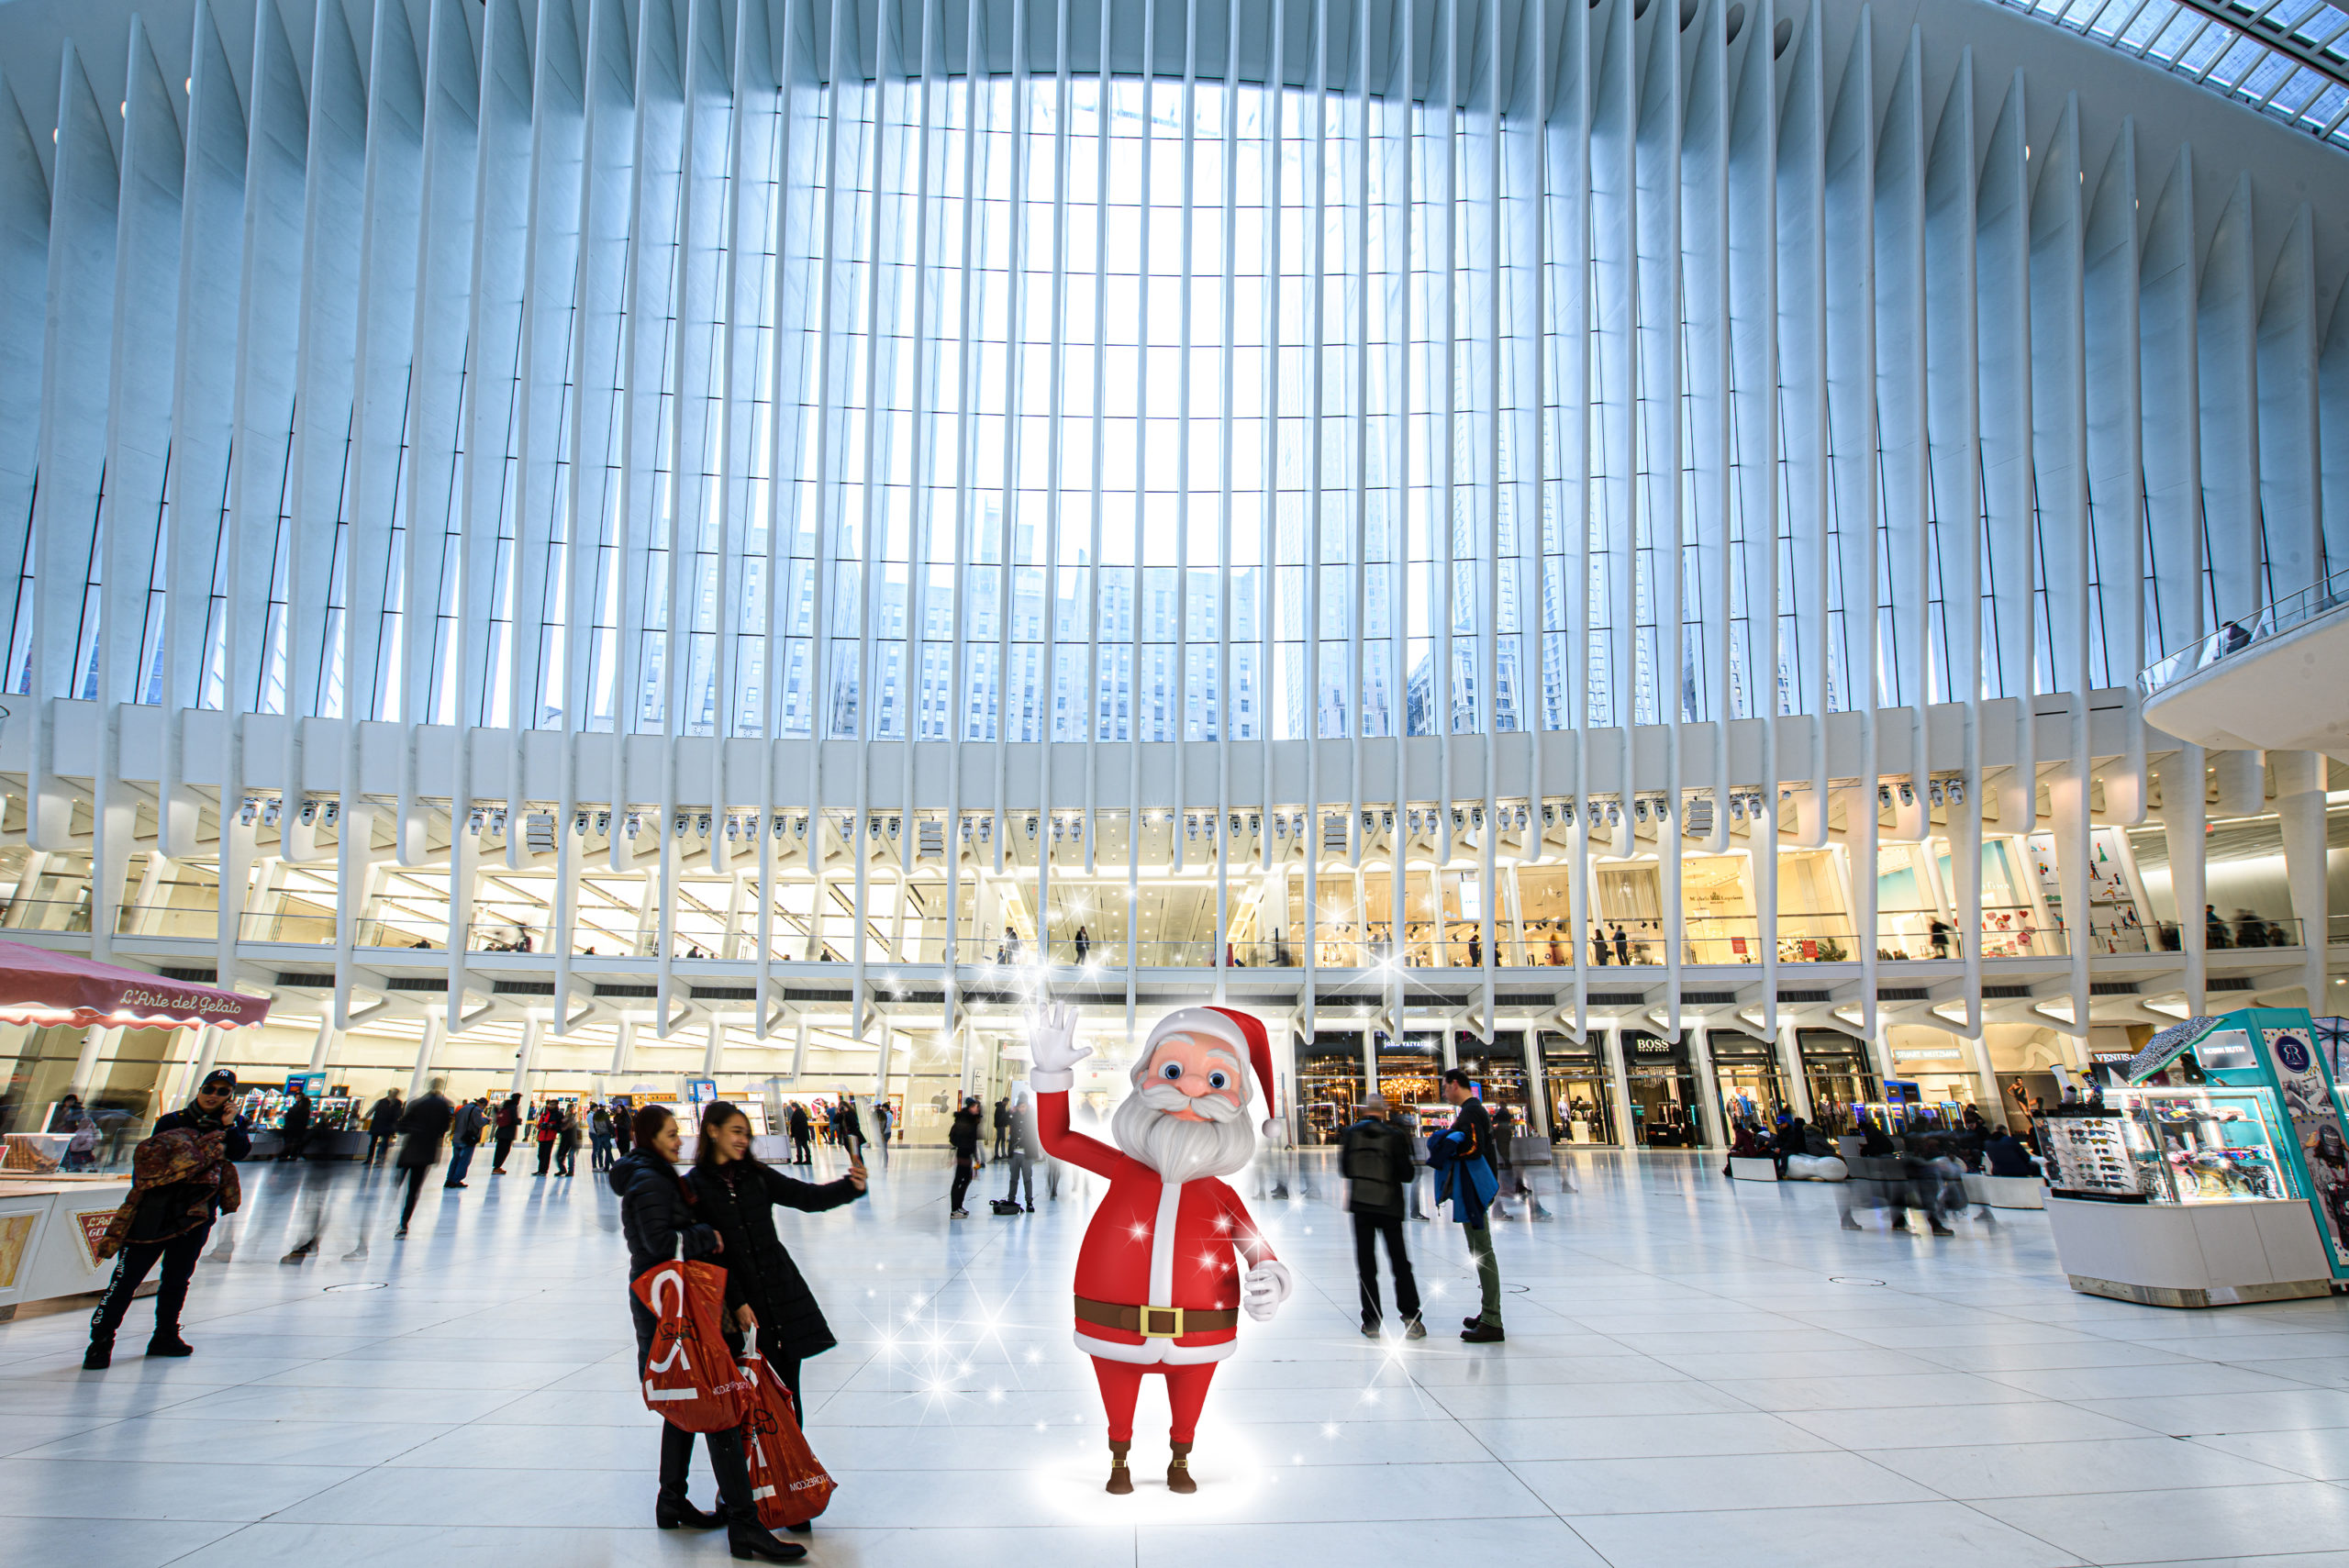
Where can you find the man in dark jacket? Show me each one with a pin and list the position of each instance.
(422, 1131)
(383, 1124)
(293, 1136)
(802, 1129)
(2006, 1156)
(1374, 1158)
(1002, 1129)
(963, 1136)
(157, 1233)
(1472, 1138)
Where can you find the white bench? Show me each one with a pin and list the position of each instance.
(2006, 1192)
(1744, 1169)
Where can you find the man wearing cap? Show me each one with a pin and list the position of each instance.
(169, 1223)
(1157, 1286)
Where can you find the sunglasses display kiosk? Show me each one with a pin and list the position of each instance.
(2216, 1172)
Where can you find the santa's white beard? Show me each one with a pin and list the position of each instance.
(1177, 1147)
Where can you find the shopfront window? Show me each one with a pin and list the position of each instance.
(1329, 1087)
(1498, 1073)
(1410, 1072)
(1753, 1092)
(1843, 1083)
(1663, 1092)
(1575, 1077)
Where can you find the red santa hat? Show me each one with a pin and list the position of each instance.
(1244, 1032)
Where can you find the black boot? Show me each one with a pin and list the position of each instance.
(675, 1511)
(167, 1343)
(99, 1356)
(747, 1539)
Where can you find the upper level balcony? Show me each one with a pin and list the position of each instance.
(2272, 684)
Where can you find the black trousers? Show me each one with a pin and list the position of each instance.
(961, 1181)
(132, 1266)
(414, 1175)
(376, 1143)
(505, 1146)
(546, 1153)
(799, 1150)
(727, 1459)
(1368, 1227)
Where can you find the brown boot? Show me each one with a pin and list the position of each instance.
(1121, 1480)
(1178, 1471)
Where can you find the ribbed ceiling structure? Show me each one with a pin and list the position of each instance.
(708, 406)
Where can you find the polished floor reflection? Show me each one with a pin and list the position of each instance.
(1696, 1372)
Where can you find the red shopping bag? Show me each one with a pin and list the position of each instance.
(787, 1481)
(690, 1379)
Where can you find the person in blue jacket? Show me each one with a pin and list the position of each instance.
(1461, 1159)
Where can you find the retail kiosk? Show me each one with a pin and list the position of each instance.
(50, 1220)
(2216, 1172)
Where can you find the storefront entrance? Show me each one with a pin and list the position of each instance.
(1329, 1087)
(1574, 1078)
(1842, 1082)
(1752, 1091)
(1663, 1092)
(1498, 1073)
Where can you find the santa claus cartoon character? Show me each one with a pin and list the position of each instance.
(1157, 1289)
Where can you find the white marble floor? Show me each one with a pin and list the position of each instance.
(1696, 1372)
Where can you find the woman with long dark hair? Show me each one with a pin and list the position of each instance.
(658, 1216)
(738, 1195)
(508, 1122)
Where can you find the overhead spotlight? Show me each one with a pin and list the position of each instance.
(1908, 795)
(269, 811)
(475, 822)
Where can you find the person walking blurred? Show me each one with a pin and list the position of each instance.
(1002, 1128)
(962, 1136)
(421, 1132)
(1374, 1158)
(566, 1141)
(599, 1138)
(509, 1123)
(383, 1125)
(181, 1181)
(1026, 1148)
(659, 1220)
(294, 1133)
(850, 1129)
(472, 1121)
(549, 1123)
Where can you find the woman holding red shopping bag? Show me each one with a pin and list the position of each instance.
(657, 1215)
(738, 1195)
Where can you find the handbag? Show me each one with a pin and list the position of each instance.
(788, 1482)
(690, 1380)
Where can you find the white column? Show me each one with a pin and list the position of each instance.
(716, 1049)
(172, 1090)
(623, 1047)
(881, 1072)
(1618, 1087)
(85, 1066)
(2299, 809)
(1790, 1067)
(1978, 1050)
(1709, 1087)
(527, 1057)
(1537, 1088)
(799, 1049)
(435, 1029)
(322, 1046)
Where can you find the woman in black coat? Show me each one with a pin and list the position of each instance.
(738, 1195)
(658, 1217)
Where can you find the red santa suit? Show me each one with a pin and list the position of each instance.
(1157, 1259)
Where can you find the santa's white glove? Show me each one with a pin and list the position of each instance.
(1052, 1050)
(1263, 1288)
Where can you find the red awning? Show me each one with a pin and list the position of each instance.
(40, 987)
